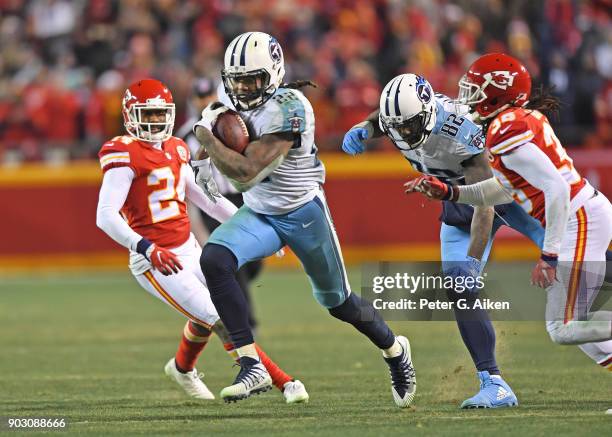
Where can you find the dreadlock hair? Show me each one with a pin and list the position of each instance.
(297, 84)
(542, 100)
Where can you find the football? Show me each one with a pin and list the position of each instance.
(229, 128)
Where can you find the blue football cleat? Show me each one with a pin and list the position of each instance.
(494, 393)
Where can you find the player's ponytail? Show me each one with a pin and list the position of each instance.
(543, 100)
(297, 84)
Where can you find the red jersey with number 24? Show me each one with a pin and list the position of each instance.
(155, 206)
(514, 128)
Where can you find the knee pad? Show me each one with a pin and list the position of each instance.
(330, 300)
(217, 260)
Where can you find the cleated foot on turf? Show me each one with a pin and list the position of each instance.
(295, 392)
(253, 378)
(494, 393)
(403, 376)
(190, 382)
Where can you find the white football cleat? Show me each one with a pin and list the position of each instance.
(295, 392)
(403, 377)
(190, 381)
(252, 379)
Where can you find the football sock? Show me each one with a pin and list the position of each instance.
(363, 316)
(195, 337)
(279, 377)
(229, 347)
(248, 350)
(477, 333)
(394, 351)
(219, 266)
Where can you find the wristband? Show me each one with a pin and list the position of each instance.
(452, 193)
(551, 260)
(142, 246)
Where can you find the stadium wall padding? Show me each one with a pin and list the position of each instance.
(48, 214)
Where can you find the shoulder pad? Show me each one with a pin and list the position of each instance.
(508, 131)
(460, 129)
(115, 153)
(287, 112)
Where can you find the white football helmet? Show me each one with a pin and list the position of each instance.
(253, 69)
(407, 110)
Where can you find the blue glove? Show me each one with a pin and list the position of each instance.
(353, 140)
(470, 267)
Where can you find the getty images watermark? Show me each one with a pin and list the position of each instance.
(413, 284)
(421, 291)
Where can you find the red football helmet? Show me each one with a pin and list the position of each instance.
(493, 83)
(143, 98)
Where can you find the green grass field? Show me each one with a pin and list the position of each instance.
(91, 349)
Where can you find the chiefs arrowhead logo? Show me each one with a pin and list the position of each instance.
(128, 96)
(501, 79)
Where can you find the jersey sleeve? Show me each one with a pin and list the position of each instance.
(471, 138)
(115, 154)
(508, 135)
(286, 113)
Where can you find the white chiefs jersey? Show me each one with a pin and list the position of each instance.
(297, 180)
(453, 140)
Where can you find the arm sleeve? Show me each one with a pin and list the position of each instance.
(220, 211)
(115, 188)
(536, 168)
(485, 193)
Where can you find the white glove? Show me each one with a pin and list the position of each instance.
(210, 114)
(204, 178)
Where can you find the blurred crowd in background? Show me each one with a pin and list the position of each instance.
(64, 65)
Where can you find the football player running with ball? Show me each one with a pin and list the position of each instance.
(532, 168)
(281, 178)
(142, 206)
(437, 138)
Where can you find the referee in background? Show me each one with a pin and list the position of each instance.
(204, 92)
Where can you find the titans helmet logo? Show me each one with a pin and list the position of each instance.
(423, 90)
(276, 52)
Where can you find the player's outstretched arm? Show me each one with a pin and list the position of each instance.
(489, 192)
(353, 142)
(477, 169)
(261, 157)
